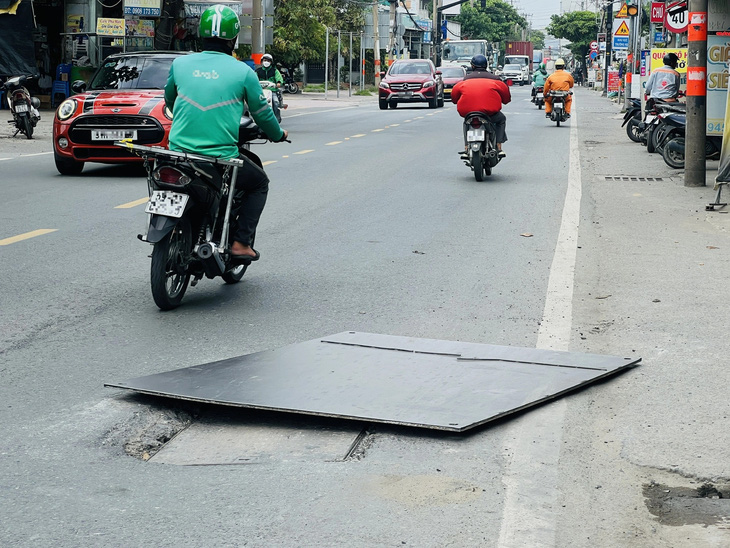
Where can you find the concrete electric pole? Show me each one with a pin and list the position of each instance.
(695, 168)
(376, 44)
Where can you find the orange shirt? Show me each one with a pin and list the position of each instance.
(560, 80)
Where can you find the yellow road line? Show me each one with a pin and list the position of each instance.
(304, 151)
(333, 143)
(268, 162)
(286, 156)
(132, 204)
(27, 235)
(394, 125)
(358, 135)
(376, 130)
(419, 117)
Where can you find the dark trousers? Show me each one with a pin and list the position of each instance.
(252, 187)
(500, 125)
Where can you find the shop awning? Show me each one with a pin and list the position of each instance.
(17, 53)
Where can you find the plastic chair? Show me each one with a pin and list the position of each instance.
(61, 85)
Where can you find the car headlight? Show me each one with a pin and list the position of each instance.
(384, 85)
(168, 113)
(66, 109)
(429, 84)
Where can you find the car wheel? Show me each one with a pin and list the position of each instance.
(66, 166)
(383, 104)
(441, 102)
(433, 103)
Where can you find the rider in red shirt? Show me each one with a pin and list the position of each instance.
(481, 91)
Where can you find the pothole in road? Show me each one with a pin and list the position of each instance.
(708, 504)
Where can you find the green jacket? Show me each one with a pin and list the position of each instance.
(271, 74)
(206, 92)
(539, 77)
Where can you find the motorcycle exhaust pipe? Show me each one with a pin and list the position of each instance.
(674, 146)
(211, 259)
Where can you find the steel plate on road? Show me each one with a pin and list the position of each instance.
(425, 383)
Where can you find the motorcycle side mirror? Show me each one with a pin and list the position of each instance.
(79, 86)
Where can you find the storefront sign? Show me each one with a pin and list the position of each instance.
(718, 12)
(644, 59)
(196, 9)
(718, 57)
(614, 82)
(657, 12)
(147, 8)
(109, 27)
(141, 27)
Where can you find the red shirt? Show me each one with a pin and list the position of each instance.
(480, 95)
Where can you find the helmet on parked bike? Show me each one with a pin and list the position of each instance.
(559, 63)
(219, 21)
(671, 60)
(479, 62)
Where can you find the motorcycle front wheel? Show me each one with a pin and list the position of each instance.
(27, 126)
(292, 87)
(674, 158)
(169, 274)
(632, 130)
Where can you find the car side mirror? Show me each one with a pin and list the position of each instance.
(79, 86)
(382, 75)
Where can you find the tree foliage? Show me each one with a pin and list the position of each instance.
(537, 37)
(580, 27)
(496, 22)
(299, 29)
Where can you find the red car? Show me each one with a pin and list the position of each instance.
(124, 100)
(451, 75)
(411, 81)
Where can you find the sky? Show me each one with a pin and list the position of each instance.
(538, 11)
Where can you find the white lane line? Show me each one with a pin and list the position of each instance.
(358, 135)
(304, 152)
(130, 205)
(533, 441)
(317, 112)
(376, 130)
(27, 235)
(36, 154)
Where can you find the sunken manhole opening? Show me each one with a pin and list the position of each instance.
(707, 504)
(632, 179)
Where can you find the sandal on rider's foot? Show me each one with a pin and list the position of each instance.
(245, 259)
(502, 154)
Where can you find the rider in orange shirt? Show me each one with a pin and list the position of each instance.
(560, 80)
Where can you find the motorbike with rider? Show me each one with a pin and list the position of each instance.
(558, 87)
(267, 72)
(538, 81)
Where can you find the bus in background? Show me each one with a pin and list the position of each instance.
(460, 52)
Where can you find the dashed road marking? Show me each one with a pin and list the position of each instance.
(333, 143)
(268, 162)
(394, 125)
(129, 205)
(305, 151)
(376, 130)
(358, 135)
(27, 235)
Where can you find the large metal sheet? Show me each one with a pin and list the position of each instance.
(443, 385)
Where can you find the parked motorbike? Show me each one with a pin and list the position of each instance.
(652, 121)
(632, 119)
(273, 97)
(539, 99)
(558, 113)
(23, 107)
(290, 86)
(481, 139)
(672, 145)
(191, 216)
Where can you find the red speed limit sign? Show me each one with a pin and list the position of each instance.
(657, 12)
(676, 19)
(594, 46)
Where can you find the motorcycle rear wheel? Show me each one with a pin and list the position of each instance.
(650, 140)
(292, 87)
(169, 276)
(672, 158)
(27, 127)
(632, 130)
(476, 162)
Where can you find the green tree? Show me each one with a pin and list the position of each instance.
(580, 27)
(496, 22)
(299, 30)
(537, 37)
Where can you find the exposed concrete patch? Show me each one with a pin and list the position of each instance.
(424, 490)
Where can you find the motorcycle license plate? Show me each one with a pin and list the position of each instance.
(169, 204)
(113, 134)
(21, 107)
(650, 119)
(475, 134)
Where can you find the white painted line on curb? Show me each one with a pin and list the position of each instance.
(533, 441)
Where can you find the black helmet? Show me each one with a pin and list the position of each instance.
(671, 59)
(479, 62)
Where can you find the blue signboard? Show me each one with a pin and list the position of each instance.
(149, 12)
(593, 55)
(620, 42)
(658, 37)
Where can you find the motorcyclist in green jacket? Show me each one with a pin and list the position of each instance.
(538, 80)
(207, 93)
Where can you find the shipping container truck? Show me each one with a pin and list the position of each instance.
(519, 53)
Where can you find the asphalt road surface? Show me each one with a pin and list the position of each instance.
(372, 224)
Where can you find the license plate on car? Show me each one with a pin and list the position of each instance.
(113, 134)
(475, 134)
(21, 107)
(405, 94)
(169, 204)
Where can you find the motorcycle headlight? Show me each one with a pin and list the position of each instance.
(168, 113)
(66, 109)
(429, 84)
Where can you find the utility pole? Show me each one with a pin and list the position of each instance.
(257, 38)
(695, 168)
(393, 38)
(609, 42)
(376, 44)
(436, 30)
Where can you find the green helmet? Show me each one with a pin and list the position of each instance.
(219, 21)
(542, 66)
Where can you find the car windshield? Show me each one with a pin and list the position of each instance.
(410, 68)
(512, 68)
(452, 72)
(133, 72)
(456, 50)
